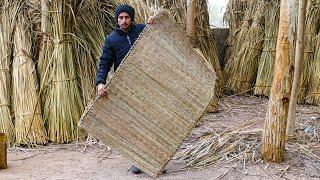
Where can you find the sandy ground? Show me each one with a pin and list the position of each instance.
(91, 161)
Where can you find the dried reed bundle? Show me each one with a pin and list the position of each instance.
(7, 22)
(29, 125)
(207, 44)
(90, 33)
(309, 61)
(268, 55)
(234, 15)
(142, 10)
(62, 100)
(242, 68)
(313, 94)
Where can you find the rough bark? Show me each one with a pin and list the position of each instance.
(273, 141)
(3, 151)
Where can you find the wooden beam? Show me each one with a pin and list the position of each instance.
(3, 151)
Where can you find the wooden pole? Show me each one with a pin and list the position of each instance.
(191, 24)
(3, 151)
(297, 68)
(273, 141)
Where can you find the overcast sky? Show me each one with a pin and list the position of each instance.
(216, 11)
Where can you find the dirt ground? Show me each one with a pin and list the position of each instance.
(92, 161)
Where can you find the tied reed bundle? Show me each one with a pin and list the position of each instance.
(62, 100)
(234, 15)
(309, 80)
(268, 55)
(313, 94)
(29, 125)
(241, 69)
(90, 33)
(7, 21)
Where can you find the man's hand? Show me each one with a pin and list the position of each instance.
(102, 90)
(150, 20)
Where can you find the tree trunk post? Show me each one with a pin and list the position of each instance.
(3, 151)
(297, 68)
(273, 140)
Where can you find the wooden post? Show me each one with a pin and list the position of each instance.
(273, 141)
(191, 24)
(3, 151)
(297, 68)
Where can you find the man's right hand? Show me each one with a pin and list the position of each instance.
(102, 90)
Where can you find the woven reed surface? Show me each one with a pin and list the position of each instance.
(154, 99)
(3, 151)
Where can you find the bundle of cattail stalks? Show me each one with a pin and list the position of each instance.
(234, 17)
(241, 68)
(7, 21)
(29, 125)
(266, 61)
(311, 31)
(313, 94)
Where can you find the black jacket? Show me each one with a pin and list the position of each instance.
(115, 48)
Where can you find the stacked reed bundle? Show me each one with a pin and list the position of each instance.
(177, 8)
(234, 15)
(7, 21)
(90, 33)
(205, 42)
(241, 69)
(309, 61)
(313, 94)
(268, 55)
(142, 10)
(29, 125)
(62, 100)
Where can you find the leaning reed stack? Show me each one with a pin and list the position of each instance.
(313, 94)
(90, 33)
(206, 44)
(7, 17)
(242, 68)
(62, 101)
(240, 33)
(234, 15)
(29, 125)
(268, 55)
(312, 29)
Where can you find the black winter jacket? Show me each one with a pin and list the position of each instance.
(115, 48)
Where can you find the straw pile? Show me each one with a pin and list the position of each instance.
(29, 124)
(224, 147)
(242, 144)
(313, 95)
(242, 66)
(7, 21)
(268, 55)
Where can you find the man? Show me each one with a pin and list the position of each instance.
(116, 46)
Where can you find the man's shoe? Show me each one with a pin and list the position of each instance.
(135, 170)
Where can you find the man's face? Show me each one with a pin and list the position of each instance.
(124, 20)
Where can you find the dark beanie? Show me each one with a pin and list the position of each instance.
(124, 8)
